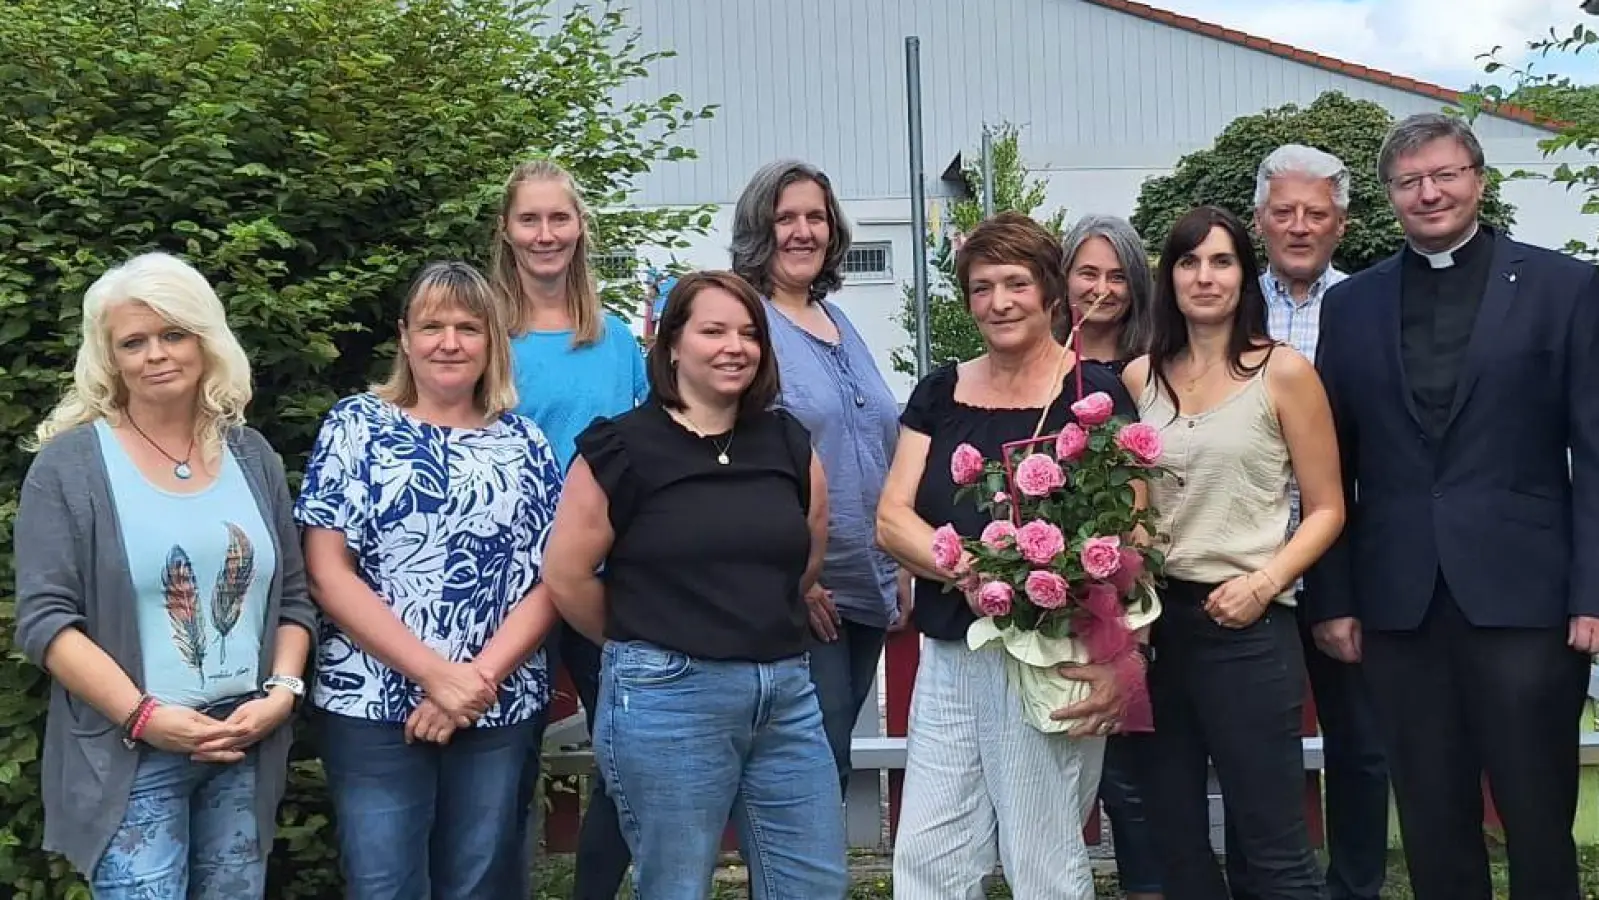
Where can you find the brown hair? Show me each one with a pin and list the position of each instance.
(679, 308)
(456, 285)
(582, 294)
(1011, 238)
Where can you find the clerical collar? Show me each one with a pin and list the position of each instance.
(1445, 259)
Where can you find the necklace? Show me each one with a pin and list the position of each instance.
(1193, 383)
(180, 467)
(721, 449)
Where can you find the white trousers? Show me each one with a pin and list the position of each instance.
(980, 784)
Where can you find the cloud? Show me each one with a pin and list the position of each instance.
(1433, 40)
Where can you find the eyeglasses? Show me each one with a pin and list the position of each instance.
(1440, 178)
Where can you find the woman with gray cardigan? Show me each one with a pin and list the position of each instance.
(160, 583)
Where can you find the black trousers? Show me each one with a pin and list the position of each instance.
(1234, 698)
(1356, 778)
(602, 854)
(1457, 701)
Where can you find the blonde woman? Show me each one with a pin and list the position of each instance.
(573, 363)
(425, 506)
(160, 583)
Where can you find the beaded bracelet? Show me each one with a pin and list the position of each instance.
(133, 725)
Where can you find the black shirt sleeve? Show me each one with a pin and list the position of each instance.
(603, 447)
(929, 400)
(798, 440)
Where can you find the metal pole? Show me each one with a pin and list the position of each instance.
(988, 173)
(913, 92)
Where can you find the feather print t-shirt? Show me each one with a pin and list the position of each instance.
(201, 565)
(447, 526)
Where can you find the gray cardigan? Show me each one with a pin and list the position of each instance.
(72, 572)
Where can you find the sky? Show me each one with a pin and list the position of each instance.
(1430, 40)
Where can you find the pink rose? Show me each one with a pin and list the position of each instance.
(1102, 556)
(998, 534)
(1142, 440)
(1095, 409)
(946, 548)
(1071, 443)
(994, 598)
(1038, 475)
(1126, 575)
(1040, 542)
(1046, 589)
(966, 464)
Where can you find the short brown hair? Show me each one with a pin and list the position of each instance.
(679, 307)
(1011, 238)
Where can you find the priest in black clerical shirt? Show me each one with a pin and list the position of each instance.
(1462, 372)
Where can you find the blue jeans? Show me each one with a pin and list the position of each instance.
(686, 743)
(189, 831)
(422, 820)
(843, 672)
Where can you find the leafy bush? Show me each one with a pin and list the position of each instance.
(308, 156)
(952, 333)
(1224, 175)
(1572, 108)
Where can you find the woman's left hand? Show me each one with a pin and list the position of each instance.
(1240, 602)
(1100, 712)
(429, 723)
(255, 720)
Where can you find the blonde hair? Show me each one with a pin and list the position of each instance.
(582, 293)
(182, 297)
(456, 285)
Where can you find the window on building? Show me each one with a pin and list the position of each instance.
(871, 261)
(615, 265)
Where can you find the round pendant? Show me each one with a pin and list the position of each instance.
(182, 471)
(721, 458)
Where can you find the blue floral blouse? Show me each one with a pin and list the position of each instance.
(447, 526)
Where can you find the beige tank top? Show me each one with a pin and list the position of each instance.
(1224, 507)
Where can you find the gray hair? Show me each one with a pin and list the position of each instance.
(1129, 249)
(1411, 134)
(1298, 159)
(754, 227)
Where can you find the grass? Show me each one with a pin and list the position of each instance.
(872, 880)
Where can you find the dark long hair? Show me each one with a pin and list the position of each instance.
(1170, 331)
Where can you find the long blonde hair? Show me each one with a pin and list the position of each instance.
(182, 297)
(456, 285)
(582, 293)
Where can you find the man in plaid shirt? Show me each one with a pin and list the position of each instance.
(1301, 204)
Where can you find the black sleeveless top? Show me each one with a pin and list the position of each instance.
(707, 558)
(932, 410)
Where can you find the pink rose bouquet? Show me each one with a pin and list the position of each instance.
(1057, 574)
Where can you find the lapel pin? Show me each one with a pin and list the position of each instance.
(1510, 277)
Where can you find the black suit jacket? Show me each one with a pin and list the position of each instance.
(1495, 504)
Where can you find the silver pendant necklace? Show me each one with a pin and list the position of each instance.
(180, 467)
(721, 449)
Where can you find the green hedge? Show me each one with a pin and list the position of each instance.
(307, 156)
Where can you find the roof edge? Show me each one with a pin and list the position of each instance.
(1328, 63)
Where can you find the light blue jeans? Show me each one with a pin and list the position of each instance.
(189, 832)
(687, 743)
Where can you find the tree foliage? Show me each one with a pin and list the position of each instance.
(1571, 108)
(307, 156)
(953, 335)
(1224, 175)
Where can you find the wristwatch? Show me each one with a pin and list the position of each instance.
(293, 685)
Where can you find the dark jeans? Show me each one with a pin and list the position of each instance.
(1356, 777)
(602, 855)
(1456, 701)
(843, 672)
(1121, 789)
(423, 820)
(1232, 697)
